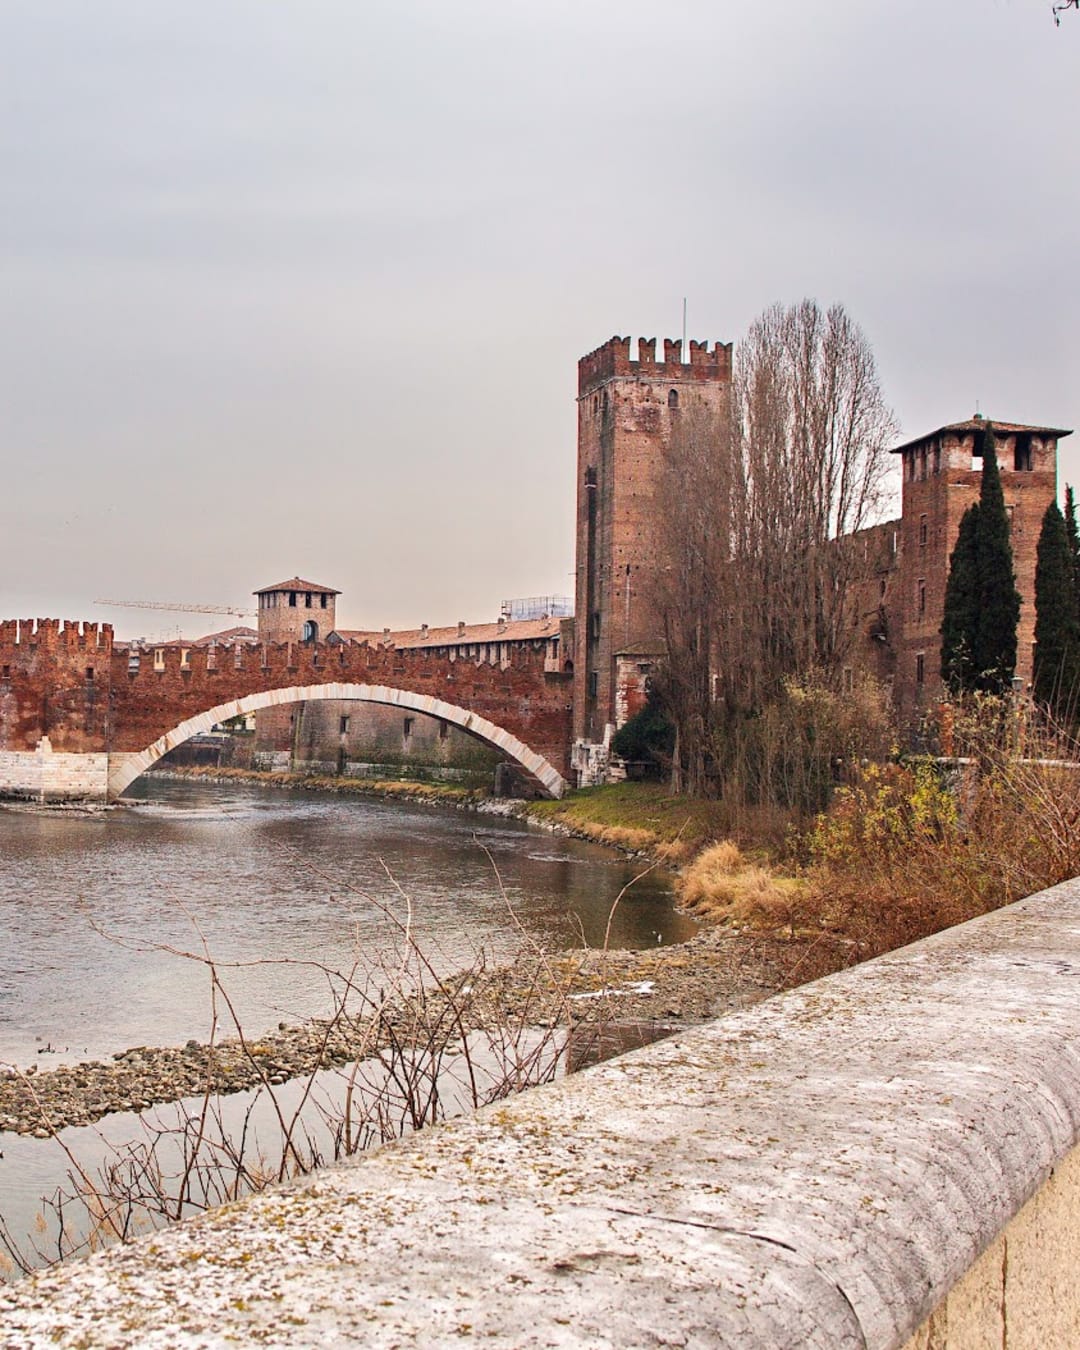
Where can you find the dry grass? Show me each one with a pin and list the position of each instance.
(678, 827)
(723, 885)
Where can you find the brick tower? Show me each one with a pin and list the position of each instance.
(942, 475)
(292, 611)
(627, 412)
(296, 611)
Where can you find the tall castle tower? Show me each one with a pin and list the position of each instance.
(627, 413)
(942, 475)
(296, 611)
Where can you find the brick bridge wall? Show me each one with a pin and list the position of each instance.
(68, 682)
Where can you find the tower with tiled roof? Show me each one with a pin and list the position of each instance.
(942, 474)
(296, 611)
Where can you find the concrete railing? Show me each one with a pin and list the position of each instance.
(883, 1158)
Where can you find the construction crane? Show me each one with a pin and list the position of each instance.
(180, 608)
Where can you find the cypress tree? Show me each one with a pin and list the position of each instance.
(1074, 543)
(1057, 628)
(960, 615)
(994, 640)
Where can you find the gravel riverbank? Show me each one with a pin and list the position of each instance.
(655, 990)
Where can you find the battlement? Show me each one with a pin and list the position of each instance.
(56, 633)
(613, 359)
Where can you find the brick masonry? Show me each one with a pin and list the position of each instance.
(627, 413)
(68, 683)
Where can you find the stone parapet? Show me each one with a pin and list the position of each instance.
(837, 1167)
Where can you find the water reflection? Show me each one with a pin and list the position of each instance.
(90, 906)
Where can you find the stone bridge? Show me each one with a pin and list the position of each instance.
(82, 717)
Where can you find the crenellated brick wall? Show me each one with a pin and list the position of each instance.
(70, 684)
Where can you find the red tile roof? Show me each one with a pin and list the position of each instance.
(297, 584)
(228, 636)
(519, 630)
(980, 424)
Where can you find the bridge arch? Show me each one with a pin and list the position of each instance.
(124, 768)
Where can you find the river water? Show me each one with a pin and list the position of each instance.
(96, 909)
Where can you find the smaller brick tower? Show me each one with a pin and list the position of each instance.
(291, 611)
(942, 476)
(628, 412)
(296, 611)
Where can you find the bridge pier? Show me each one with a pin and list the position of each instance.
(45, 775)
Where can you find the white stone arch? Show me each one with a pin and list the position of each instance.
(124, 768)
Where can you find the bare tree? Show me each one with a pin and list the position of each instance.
(758, 509)
(1060, 9)
(695, 503)
(812, 431)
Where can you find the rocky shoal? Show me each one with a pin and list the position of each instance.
(661, 988)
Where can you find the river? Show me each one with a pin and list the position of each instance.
(97, 910)
(91, 904)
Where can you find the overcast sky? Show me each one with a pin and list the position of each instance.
(301, 287)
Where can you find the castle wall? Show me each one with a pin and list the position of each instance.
(55, 679)
(327, 737)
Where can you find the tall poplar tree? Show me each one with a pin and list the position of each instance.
(960, 615)
(1057, 628)
(994, 637)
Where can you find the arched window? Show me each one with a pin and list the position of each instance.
(310, 632)
(673, 398)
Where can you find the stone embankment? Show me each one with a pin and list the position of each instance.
(654, 991)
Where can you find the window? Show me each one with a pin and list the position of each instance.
(310, 631)
(1022, 454)
(159, 658)
(323, 599)
(292, 599)
(594, 626)
(343, 726)
(406, 729)
(922, 596)
(444, 730)
(920, 668)
(923, 531)
(594, 683)
(673, 398)
(185, 658)
(307, 599)
(937, 456)
(7, 672)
